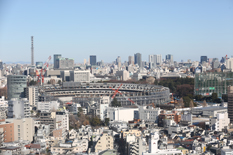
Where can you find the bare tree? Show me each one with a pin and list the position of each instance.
(204, 104)
(191, 105)
(181, 102)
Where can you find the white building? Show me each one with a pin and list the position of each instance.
(153, 147)
(80, 76)
(105, 142)
(62, 120)
(32, 95)
(104, 104)
(121, 114)
(149, 114)
(220, 122)
(18, 108)
(123, 75)
(48, 106)
(229, 64)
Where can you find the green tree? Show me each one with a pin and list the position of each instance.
(186, 100)
(106, 121)
(32, 83)
(59, 82)
(115, 103)
(95, 121)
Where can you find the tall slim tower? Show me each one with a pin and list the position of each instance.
(32, 51)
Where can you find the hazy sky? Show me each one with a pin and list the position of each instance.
(111, 28)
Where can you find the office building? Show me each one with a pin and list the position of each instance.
(65, 75)
(151, 61)
(18, 108)
(215, 63)
(39, 64)
(123, 75)
(55, 63)
(203, 58)
(229, 64)
(118, 62)
(207, 83)
(1, 65)
(131, 60)
(80, 76)
(92, 60)
(16, 85)
(32, 95)
(230, 103)
(169, 58)
(138, 59)
(64, 63)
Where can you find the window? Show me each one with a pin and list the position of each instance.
(18, 126)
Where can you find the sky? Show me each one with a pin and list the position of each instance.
(110, 28)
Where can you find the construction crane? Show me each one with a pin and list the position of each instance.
(40, 74)
(117, 91)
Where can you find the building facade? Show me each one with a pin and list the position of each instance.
(138, 59)
(80, 76)
(32, 95)
(18, 108)
(15, 86)
(92, 60)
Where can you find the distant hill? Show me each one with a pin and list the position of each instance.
(17, 62)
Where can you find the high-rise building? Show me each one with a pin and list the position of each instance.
(56, 63)
(158, 59)
(169, 57)
(93, 60)
(229, 64)
(80, 76)
(15, 86)
(230, 103)
(39, 64)
(1, 65)
(138, 59)
(215, 63)
(32, 95)
(131, 60)
(151, 61)
(203, 58)
(65, 63)
(118, 62)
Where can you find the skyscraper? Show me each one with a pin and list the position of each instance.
(1, 65)
(16, 85)
(55, 62)
(131, 60)
(230, 103)
(93, 60)
(203, 58)
(169, 57)
(158, 59)
(138, 59)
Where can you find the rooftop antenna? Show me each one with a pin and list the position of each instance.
(32, 51)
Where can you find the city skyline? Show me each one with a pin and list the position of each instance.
(186, 30)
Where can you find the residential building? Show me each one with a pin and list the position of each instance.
(220, 122)
(32, 95)
(24, 129)
(62, 120)
(6, 131)
(48, 106)
(48, 118)
(80, 76)
(18, 108)
(15, 86)
(105, 142)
